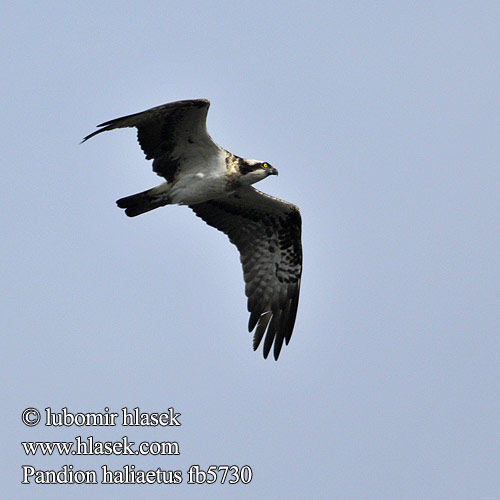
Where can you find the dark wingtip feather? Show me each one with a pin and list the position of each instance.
(86, 138)
(252, 321)
(278, 343)
(273, 331)
(261, 329)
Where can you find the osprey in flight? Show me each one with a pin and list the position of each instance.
(217, 186)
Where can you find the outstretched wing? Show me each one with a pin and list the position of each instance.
(169, 134)
(267, 232)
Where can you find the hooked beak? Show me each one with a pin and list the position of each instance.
(272, 171)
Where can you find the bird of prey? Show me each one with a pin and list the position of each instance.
(217, 186)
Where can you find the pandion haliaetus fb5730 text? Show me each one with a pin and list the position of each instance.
(217, 186)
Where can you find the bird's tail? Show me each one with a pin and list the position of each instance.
(137, 204)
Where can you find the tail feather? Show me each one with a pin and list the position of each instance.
(140, 203)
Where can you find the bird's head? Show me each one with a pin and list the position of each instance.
(254, 170)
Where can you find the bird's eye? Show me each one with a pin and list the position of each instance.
(265, 165)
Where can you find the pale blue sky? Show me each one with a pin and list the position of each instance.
(383, 120)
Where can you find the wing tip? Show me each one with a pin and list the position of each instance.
(87, 137)
(106, 125)
(275, 327)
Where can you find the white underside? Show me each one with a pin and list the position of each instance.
(194, 188)
(204, 176)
